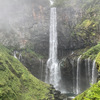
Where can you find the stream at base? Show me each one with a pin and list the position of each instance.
(69, 96)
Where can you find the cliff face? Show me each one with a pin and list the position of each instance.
(93, 92)
(24, 22)
(78, 23)
(29, 24)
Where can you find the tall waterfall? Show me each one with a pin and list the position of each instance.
(53, 75)
(78, 76)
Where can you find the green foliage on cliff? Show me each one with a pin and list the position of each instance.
(93, 93)
(92, 52)
(16, 82)
(88, 26)
(27, 51)
(98, 62)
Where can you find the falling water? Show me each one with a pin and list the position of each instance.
(42, 69)
(86, 69)
(15, 54)
(93, 73)
(89, 70)
(20, 56)
(77, 76)
(73, 72)
(52, 68)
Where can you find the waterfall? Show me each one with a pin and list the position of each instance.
(52, 69)
(42, 69)
(77, 76)
(93, 72)
(89, 70)
(15, 54)
(73, 72)
(51, 2)
(20, 56)
(86, 69)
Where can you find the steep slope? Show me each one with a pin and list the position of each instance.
(16, 82)
(92, 93)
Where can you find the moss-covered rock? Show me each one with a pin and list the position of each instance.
(98, 62)
(17, 83)
(92, 52)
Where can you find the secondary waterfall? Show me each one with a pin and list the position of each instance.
(94, 72)
(15, 54)
(89, 70)
(41, 64)
(78, 76)
(73, 72)
(53, 75)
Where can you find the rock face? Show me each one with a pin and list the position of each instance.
(29, 25)
(75, 71)
(25, 22)
(69, 17)
(34, 62)
(57, 94)
(35, 65)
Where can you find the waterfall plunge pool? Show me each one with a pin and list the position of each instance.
(70, 96)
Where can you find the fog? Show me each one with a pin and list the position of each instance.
(14, 11)
(16, 17)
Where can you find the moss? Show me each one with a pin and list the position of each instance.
(17, 83)
(30, 53)
(87, 27)
(86, 23)
(98, 61)
(92, 52)
(93, 93)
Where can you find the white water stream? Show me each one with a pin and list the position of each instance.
(15, 54)
(78, 76)
(89, 70)
(94, 70)
(53, 75)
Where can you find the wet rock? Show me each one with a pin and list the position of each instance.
(57, 94)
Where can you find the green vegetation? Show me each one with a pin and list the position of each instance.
(92, 93)
(98, 61)
(16, 82)
(27, 51)
(92, 52)
(31, 53)
(87, 27)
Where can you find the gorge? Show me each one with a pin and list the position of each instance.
(58, 42)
